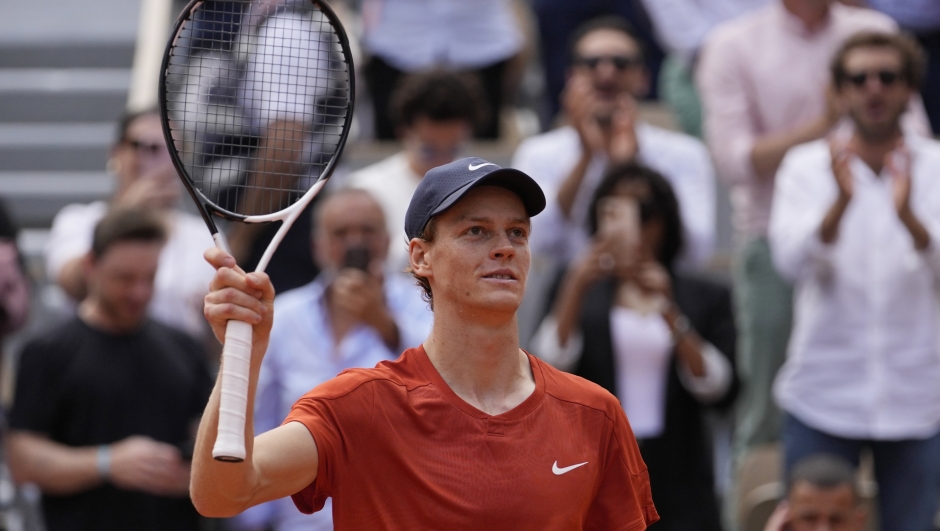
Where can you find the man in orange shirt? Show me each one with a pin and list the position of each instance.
(466, 431)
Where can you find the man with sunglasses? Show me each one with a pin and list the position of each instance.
(434, 113)
(145, 178)
(606, 75)
(855, 225)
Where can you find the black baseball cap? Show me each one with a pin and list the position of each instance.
(444, 185)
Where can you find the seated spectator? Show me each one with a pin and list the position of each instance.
(405, 36)
(661, 341)
(855, 225)
(822, 493)
(433, 113)
(355, 314)
(145, 178)
(606, 75)
(106, 405)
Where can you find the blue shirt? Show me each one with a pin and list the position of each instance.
(302, 354)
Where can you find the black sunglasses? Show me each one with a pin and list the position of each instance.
(620, 62)
(885, 77)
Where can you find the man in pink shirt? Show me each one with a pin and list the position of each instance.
(763, 79)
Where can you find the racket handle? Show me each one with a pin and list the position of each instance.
(233, 402)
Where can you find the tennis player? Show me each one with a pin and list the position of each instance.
(466, 431)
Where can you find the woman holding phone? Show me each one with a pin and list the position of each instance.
(659, 340)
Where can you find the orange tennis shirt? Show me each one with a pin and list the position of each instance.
(398, 449)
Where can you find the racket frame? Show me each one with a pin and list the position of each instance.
(230, 439)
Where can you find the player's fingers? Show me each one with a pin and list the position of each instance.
(261, 283)
(218, 258)
(231, 304)
(227, 277)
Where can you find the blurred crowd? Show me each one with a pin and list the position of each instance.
(816, 346)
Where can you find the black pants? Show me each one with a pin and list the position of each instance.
(383, 78)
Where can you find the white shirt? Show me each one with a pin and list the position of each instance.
(302, 354)
(391, 182)
(418, 34)
(864, 355)
(183, 275)
(643, 347)
(683, 160)
(681, 25)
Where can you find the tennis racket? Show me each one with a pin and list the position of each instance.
(256, 98)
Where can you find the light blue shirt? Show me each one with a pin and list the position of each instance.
(302, 354)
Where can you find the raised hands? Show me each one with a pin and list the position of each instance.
(236, 295)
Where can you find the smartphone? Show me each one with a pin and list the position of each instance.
(357, 258)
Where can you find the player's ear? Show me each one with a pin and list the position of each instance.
(418, 250)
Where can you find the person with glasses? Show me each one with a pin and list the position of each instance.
(764, 89)
(606, 76)
(434, 113)
(855, 225)
(145, 178)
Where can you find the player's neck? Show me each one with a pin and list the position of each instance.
(481, 362)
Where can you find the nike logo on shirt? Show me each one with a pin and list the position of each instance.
(559, 471)
(477, 167)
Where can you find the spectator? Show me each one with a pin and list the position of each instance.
(922, 18)
(681, 27)
(433, 113)
(145, 178)
(856, 226)
(406, 36)
(106, 404)
(353, 315)
(605, 77)
(758, 103)
(14, 284)
(620, 321)
(822, 493)
(558, 20)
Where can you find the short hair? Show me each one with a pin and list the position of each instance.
(438, 95)
(825, 471)
(604, 22)
(427, 235)
(126, 119)
(912, 56)
(662, 205)
(127, 224)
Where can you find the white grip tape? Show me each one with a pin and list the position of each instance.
(233, 404)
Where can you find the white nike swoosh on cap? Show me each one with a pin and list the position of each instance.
(474, 168)
(559, 471)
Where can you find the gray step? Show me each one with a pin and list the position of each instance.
(79, 55)
(55, 146)
(34, 197)
(62, 94)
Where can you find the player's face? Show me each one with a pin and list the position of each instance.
(875, 90)
(613, 64)
(818, 509)
(479, 259)
(431, 143)
(346, 221)
(121, 281)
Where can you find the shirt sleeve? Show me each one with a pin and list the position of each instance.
(623, 501)
(711, 386)
(321, 413)
(799, 206)
(729, 131)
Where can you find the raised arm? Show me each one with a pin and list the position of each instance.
(278, 463)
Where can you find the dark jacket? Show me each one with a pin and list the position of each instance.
(679, 460)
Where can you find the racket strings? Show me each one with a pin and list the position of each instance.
(257, 95)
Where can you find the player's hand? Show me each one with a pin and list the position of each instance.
(236, 295)
(143, 464)
(580, 102)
